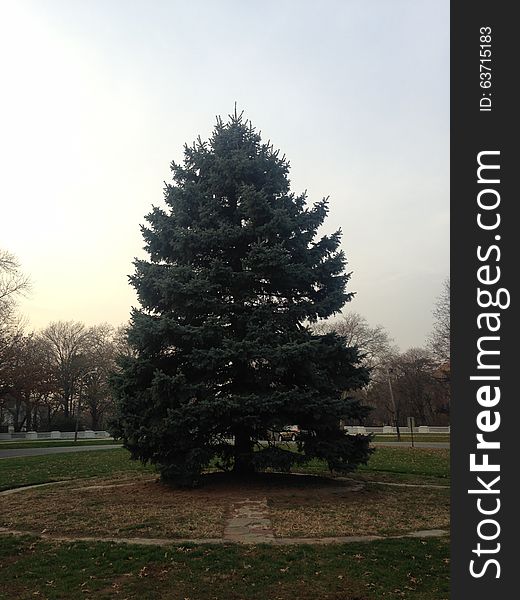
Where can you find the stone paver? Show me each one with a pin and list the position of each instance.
(249, 523)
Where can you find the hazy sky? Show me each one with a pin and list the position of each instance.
(97, 97)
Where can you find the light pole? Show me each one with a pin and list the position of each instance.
(388, 371)
(81, 378)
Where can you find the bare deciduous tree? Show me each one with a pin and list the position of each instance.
(418, 390)
(374, 343)
(101, 354)
(439, 341)
(13, 284)
(53, 378)
(66, 341)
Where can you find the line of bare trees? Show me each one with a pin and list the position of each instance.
(415, 383)
(51, 377)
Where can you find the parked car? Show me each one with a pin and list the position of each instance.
(289, 433)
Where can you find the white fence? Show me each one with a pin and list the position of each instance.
(103, 435)
(387, 429)
(88, 434)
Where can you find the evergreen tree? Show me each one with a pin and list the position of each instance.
(222, 345)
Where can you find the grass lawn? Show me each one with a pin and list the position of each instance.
(398, 465)
(124, 499)
(410, 461)
(391, 569)
(27, 470)
(55, 443)
(411, 465)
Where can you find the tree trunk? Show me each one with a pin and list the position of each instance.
(17, 416)
(95, 418)
(243, 454)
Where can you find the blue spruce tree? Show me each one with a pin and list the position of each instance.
(223, 348)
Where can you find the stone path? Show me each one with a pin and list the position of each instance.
(249, 523)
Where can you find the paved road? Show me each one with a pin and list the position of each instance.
(12, 452)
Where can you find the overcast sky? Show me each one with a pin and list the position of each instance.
(98, 97)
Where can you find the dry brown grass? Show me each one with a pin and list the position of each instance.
(377, 509)
(142, 508)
